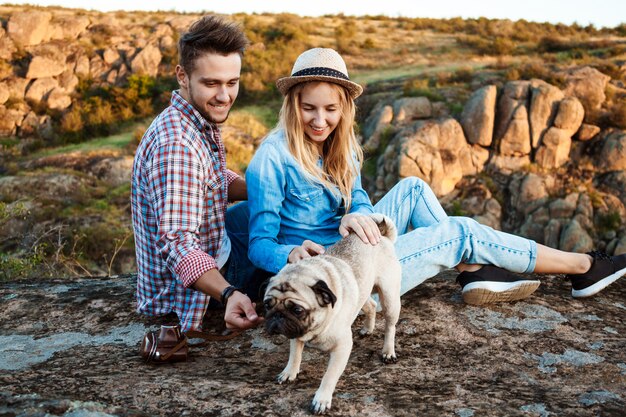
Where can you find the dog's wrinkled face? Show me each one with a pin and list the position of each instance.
(297, 301)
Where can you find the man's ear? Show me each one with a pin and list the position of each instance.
(324, 295)
(181, 76)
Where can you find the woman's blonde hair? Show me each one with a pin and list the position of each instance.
(342, 154)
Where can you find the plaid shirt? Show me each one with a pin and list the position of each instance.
(179, 197)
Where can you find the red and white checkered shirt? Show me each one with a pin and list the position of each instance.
(179, 197)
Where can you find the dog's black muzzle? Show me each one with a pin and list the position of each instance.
(278, 322)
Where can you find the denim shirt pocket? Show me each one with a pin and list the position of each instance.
(305, 203)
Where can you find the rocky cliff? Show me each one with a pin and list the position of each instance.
(46, 52)
(520, 158)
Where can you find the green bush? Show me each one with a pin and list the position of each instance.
(497, 45)
(415, 89)
(275, 46)
(102, 110)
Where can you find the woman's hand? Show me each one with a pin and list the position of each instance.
(306, 250)
(364, 226)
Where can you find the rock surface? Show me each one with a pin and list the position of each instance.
(70, 348)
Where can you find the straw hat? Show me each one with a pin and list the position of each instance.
(319, 64)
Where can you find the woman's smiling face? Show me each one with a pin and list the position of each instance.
(320, 110)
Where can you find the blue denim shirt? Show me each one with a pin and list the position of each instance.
(287, 207)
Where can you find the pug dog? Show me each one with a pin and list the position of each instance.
(316, 300)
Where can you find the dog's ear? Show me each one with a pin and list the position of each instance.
(324, 295)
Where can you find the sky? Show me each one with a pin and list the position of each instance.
(600, 13)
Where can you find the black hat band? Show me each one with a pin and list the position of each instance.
(328, 72)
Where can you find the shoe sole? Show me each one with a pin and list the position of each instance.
(481, 293)
(598, 286)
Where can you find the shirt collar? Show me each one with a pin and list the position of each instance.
(178, 102)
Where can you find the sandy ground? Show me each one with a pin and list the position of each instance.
(70, 348)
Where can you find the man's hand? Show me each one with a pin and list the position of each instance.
(240, 313)
(306, 250)
(364, 226)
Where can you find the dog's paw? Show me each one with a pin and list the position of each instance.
(321, 403)
(389, 358)
(286, 376)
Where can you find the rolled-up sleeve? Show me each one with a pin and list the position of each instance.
(231, 176)
(178, 185)
(265, 179)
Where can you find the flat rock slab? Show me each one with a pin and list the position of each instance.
(70, 348)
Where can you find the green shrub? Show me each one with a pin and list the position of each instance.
(457, 209)
(419, 88)
(16, 266)
(102, 110)
(609, 221)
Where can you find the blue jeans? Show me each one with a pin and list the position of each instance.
(429, 241)
(240, 272)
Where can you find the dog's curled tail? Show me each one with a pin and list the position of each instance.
(386, 226)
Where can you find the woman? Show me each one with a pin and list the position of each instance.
(305, 193)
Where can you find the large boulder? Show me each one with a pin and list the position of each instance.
(7, 46)
(555, 148)
(613, 182)
(68, 81)
(588, 85)
(409, 109)
(81, 68)
(147, 61)
(97, 67)
(115, 171)
(612, 156)
(552, 233)
(111, 56)
(29, 27)
(10, 120)
(528, 193)
(535, 224)
(431, 150)
(479, 157)
(564, 207)
(58, 99)
(4, 93)
(478, 116)
(68, 27)
(514, 95)
(574, 238)
(587, 132)
(570, 115)
(29, 125)
(378, 121)
(544, 101)
(46, 66)
(516, 138)
(17, 87)
(40, 88)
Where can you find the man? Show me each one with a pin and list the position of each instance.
(181, 188)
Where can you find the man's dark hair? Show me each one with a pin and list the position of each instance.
(210, 34)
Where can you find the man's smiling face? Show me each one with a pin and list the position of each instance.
(213, 85)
